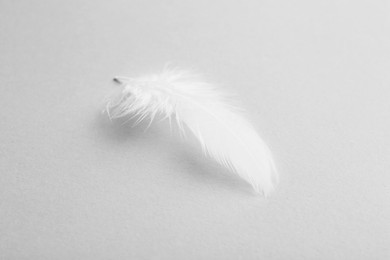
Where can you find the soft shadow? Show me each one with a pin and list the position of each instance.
(186, 154)
(122, 130)
(205, 170)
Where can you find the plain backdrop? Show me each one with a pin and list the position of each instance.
(313, 76)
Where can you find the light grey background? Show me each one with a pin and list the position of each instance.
(314, 76)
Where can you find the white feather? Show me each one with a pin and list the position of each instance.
(222, 131)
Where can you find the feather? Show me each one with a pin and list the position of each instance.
(222, 131)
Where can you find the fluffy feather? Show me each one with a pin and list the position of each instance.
(222, 131)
